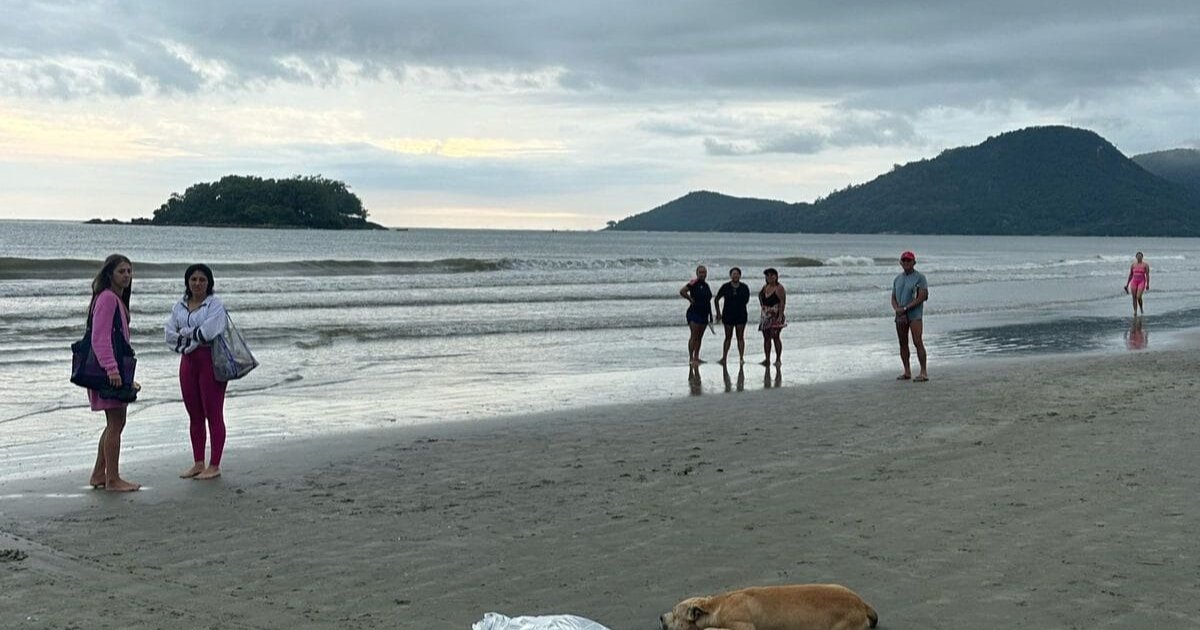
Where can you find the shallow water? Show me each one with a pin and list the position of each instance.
(369, 329)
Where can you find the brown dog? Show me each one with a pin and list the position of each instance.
(790, 607)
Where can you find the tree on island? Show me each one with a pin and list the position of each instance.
(248, 201)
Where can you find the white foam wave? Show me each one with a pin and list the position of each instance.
(556, 264)
(850, 261)
(1107, 259)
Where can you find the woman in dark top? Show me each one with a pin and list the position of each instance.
(772, 299)
(736, 296)
(699, 312)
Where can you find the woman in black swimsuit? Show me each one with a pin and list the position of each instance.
(699, 313)
(736, 296)
(772, 299)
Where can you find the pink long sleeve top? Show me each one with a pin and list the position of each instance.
(102, 315)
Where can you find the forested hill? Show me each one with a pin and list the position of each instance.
(710, 209)
(1181, 166)
(1041, 180)
(244, 201)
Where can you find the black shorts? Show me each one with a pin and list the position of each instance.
(737, 320)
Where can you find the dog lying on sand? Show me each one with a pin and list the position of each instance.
(789, 607)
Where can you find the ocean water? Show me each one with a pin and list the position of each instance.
(369, 329)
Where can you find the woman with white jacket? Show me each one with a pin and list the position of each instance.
(194, 322)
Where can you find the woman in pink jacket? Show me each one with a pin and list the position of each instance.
(110, 295)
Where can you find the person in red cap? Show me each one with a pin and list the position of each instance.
(909, 292)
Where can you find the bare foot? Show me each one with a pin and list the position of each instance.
(765, 362)
(96, 481)
(721, 362)
(196, 469)
(212, 472)
(778, 362)
(120, 485)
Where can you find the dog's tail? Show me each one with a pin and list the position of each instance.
(872, 615)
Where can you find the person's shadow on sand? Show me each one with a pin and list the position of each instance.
(1136, 338)
(741, 378)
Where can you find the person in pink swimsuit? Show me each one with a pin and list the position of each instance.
(1138, 283)
(110, 294)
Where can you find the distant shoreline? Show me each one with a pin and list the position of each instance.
(147, 222)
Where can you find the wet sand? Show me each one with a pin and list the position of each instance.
(1041, 493)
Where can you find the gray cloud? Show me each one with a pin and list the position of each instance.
(699, 124)
(675, 128)
(169, 72)
(884, 130)
(119, 83)
(803, 142)
(727, 135)
(873, 54)
(712, 146)
(369, 168)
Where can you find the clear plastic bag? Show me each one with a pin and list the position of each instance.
(231, 356)
(496, 621)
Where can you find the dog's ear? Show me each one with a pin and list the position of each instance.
(695, 612)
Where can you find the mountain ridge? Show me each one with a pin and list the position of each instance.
(1051, 180)
(1181, 166)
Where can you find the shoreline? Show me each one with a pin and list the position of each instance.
(57, 439)
(1039, 492)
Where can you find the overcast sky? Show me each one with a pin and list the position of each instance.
(556, 113)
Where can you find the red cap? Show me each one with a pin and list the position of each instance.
(908, 255)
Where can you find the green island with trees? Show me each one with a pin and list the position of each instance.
(310, 202)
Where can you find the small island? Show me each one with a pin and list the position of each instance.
(308, 202)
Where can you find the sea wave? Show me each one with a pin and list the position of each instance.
(1086, 266)
(1107, 259)
(55, 268)
(154, 309)
(568, 264)
(66, 268)
(801, 261)
(851, 261)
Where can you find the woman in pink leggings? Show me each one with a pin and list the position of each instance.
(194, 322)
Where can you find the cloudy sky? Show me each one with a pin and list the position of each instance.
(558, 113)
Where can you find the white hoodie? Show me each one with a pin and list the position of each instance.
(186, 331)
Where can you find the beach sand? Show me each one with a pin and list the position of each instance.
(1030, 493)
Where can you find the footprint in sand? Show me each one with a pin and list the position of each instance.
(12, 555)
